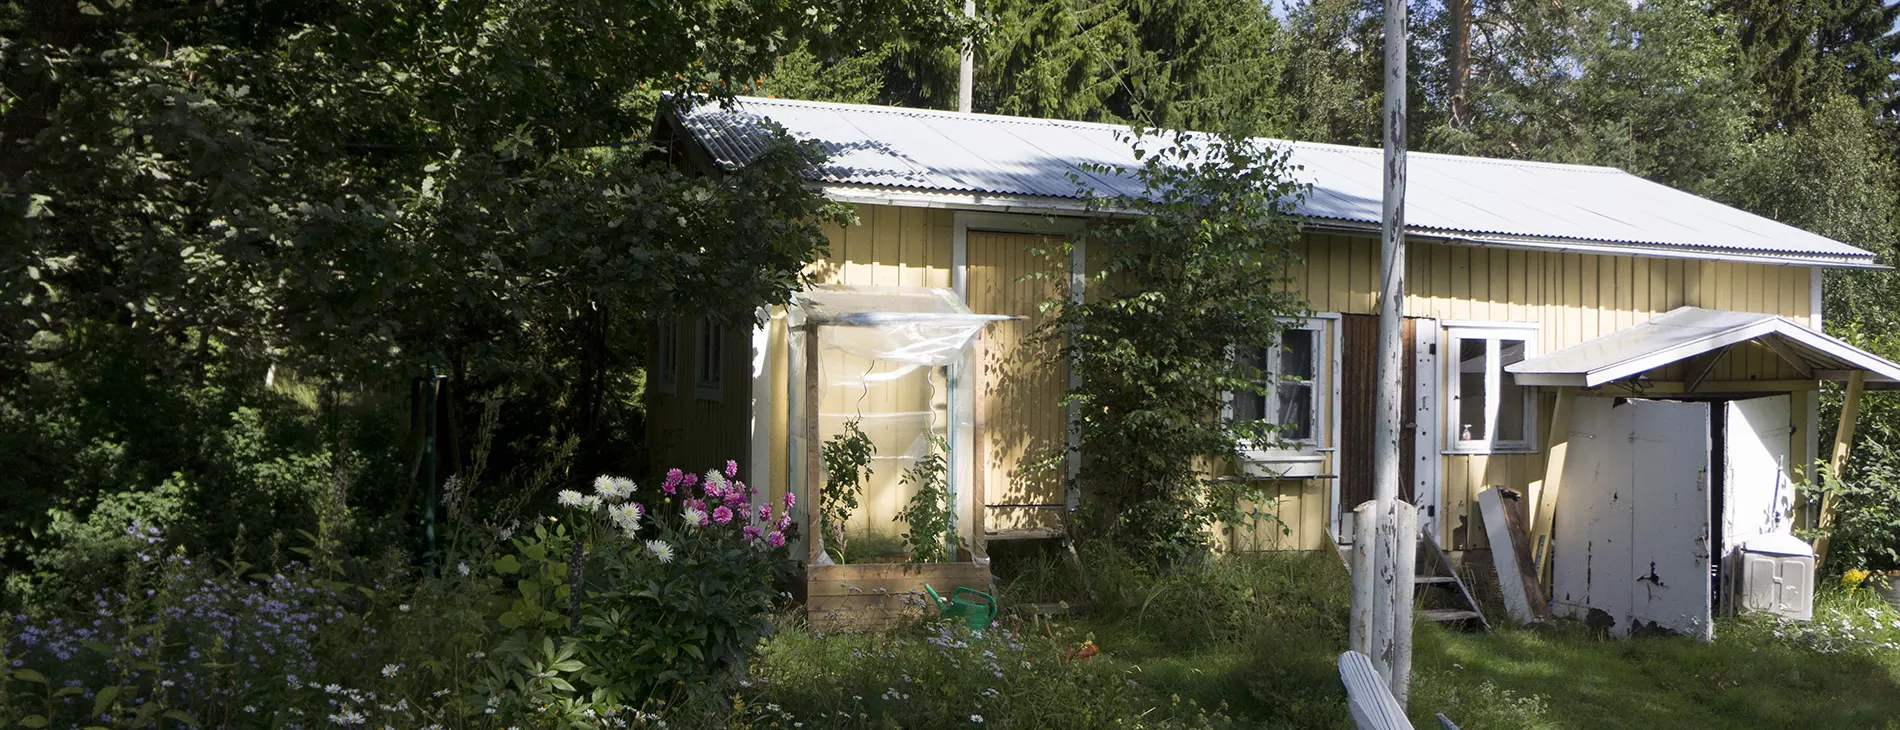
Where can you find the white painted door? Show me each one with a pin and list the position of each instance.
(1632, 522)
(1759, 496)
(1670, 529)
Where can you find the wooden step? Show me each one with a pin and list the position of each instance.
(1449, 614)
(1027, 533)
(1434, 579)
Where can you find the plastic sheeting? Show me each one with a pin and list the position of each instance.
(907, 324)
(890, 360)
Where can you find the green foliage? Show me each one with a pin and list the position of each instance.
(1028, 675)
(669, 608)
(1866, 530)
(847, 465)
(930, 515)
(1201, 274)
(350, 191)
(669, 601)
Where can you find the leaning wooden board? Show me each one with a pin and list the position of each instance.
(1510, 551)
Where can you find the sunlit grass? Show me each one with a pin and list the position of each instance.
(1259, 638)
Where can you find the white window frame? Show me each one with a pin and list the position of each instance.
(665, 375)
(709, 361)
(1491, 332)
(1306, 458)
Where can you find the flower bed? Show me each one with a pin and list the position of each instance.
(673, 597)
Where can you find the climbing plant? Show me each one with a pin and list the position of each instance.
(847, 464)
(1200, 274)
(930, 512)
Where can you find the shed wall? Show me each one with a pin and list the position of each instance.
(1569, 297)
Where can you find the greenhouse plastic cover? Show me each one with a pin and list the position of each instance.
(908, 324)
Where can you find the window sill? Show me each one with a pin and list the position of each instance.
(1494, 451)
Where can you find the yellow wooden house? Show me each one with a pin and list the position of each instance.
(1510, 262)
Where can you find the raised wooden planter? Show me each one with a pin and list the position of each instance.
(879, 595)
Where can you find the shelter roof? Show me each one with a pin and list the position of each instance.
(1686, 332)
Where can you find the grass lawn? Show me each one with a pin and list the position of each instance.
(1251, 642)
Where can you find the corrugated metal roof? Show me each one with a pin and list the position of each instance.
(1686, 332)
(1447, 195)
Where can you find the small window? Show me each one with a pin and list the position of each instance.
(709, 380)
(1290, 372)
(1296, 376)
(1489, 411)
(666, 357)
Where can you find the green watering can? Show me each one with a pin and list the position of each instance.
(977, 616)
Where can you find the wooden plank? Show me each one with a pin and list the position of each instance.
(1544, 492)
(1368, 698)
(1843, 441)
(1517, 578)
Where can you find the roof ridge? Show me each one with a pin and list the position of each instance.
(1043, 121)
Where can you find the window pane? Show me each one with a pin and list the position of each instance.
(1252, 406)
(1295, 404)
(1296, 354)
(1510, 394)
(1249, 407)
(1471, 389)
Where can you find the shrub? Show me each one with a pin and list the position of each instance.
(593, 618)
(1196, 278)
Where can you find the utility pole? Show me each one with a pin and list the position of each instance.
(1382, 570)
(1458, 51)
(966, 67)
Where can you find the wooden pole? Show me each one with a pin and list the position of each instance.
(814, 454)
(966, 66)
(1544, 493)
(1843, 440)
(1391, 576)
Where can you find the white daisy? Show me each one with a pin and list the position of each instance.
(570, 498)
(694, 516)
(613, 488)
(662, 551)
(626, 516)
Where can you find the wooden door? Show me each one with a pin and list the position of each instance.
(1019, 383)
(1632, 538)
(1359, 399)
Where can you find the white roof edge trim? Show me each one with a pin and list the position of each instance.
(1042, 205)
(1878, 369)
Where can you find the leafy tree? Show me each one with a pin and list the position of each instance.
(1198, 276)
(1200, 64)
(336, 193)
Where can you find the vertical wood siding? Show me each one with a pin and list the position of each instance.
(690, 432)
(888, 246)
(1569, 297)
(1019, 389)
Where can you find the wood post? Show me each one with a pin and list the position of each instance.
(966, 65)
(1544, 492)
(1384, 553)
(814, 454)
(1843, 440)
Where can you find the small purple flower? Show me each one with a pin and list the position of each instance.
(776, 539)
(722, 514)
(785, 522)
(791, 500)
(689, 480)
(672, 483)
(765, 513)
(751, 533)
(732, 468)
